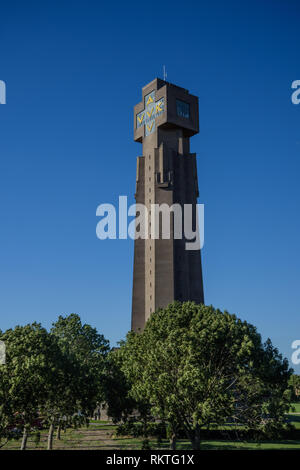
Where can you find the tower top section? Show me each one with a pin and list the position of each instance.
(167, 106)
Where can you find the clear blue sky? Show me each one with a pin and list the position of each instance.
(74, 71)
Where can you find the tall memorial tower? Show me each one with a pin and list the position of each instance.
(164, 270)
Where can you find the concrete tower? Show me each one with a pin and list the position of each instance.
(164, 270)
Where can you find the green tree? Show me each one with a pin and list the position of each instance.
(197, 367)
(116, 389)
(29, 378)
(87, 350)
(294, 385)
(55, 377)
(64, 397)
(7, 421)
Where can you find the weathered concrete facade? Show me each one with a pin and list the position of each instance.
(164, 270)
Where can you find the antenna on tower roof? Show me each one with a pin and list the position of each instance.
(165, 73)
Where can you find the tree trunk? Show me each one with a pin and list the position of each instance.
(50, 437)
(58, 432)
(173, 441)
(24, 438)
(196, 439)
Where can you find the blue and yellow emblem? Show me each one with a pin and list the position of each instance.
(151, 112)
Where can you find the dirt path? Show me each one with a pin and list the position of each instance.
(84, 438)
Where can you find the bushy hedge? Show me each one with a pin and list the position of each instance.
(159, 430)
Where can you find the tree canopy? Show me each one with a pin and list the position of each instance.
(50, 378)
(199, 367)
(192, 367)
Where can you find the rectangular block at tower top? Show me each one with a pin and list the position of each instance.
(164, 270)
(174, 114)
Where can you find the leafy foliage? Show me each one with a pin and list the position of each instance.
(193, 367)
(197, 366)
(51, 379)
(294, 386)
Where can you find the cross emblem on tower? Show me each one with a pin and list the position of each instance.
(152, 109)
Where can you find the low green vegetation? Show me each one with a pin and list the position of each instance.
(103, 438)
(51, 379)
(294, 386)
(195, 367)
(195, 378)
(295, 408)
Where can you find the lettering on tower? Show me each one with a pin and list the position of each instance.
(164, 270)
(150, 113)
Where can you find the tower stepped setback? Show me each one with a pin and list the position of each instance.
(164, 270)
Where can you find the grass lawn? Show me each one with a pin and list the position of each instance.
(95, 421)
(101, 437)
(297, 408)
(294, 415)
